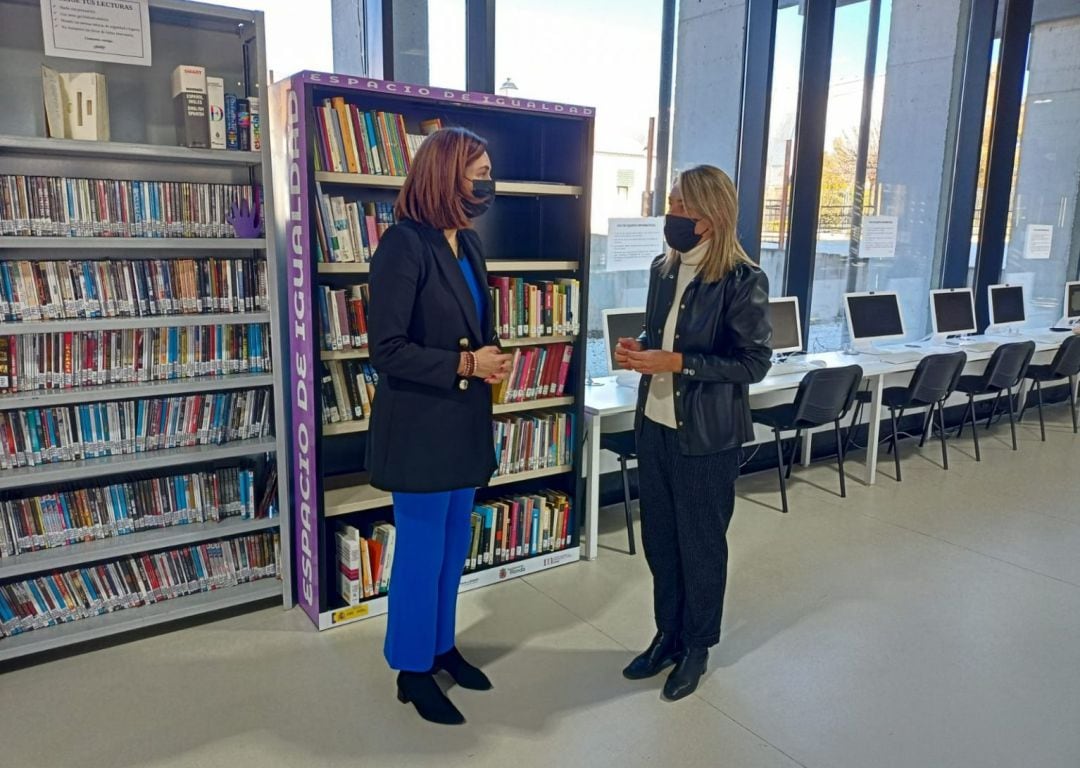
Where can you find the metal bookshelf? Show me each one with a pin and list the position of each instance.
(230, 43)
(108, 624)
(127, 323)
(129, 390)
(538, 226)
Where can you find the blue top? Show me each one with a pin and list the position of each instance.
(474, 286)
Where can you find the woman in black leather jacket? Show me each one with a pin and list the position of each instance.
(706, 339)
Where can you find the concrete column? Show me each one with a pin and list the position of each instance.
(708, 84)
(357, 36)
(925, 48)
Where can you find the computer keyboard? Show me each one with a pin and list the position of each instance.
(981, 346)
(785, 369)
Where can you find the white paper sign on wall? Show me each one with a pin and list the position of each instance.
(116, 31)
(634, 243)
(878, 237)
(1039, 240)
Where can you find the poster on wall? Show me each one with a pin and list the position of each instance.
(1039, 239)
(116, 31)
(634, 243)
(877, 239)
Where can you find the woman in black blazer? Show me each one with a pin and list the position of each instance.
(436, 351)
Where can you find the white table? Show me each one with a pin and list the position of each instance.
(615, 405)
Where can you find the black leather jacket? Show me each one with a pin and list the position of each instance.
(724, 335)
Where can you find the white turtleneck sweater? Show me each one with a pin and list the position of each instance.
(660, 405)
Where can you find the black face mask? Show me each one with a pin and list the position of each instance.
(484, 191)
(679, 233)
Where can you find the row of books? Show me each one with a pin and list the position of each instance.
(55, 206)
(535, 373)
(351, 140)
(518, 527)
(33, 291)
(348, 390)
(36, 436)
(135, 581)
(364, 562)
(349, 231)
(73, 359)
(343, 313)
(71, 516)
(531, 310)
(501, 531)
(533, 442)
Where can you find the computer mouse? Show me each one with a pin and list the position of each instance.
(818, 363)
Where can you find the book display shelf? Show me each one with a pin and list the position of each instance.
(141, 396)
(342, 148)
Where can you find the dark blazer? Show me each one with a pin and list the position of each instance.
(725, 337)
(431, 430)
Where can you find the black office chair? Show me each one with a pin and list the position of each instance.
(932, 383)
(824, 395)
(623, 445)
(1005, 370)
(1065, 365)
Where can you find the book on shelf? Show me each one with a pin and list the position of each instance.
(137, 580)
(71, 516)
(35, 291)
(533, 442)
(343, 316)
(520, 526)
(75, 359)
(348, 391)
(364, 562)
(535, 373)
(35, 436)
(525, 309)
(53, 206)
(349, 231)
(351, 140)
(189, 92)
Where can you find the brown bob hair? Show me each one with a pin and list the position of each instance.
(436, 187)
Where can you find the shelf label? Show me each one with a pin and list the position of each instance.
(116, 31)
(350, 613)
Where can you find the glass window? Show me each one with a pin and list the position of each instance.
(884, 161)
(541, 51)
(776, 214)
(446, 43)
(298, 35)
(1042, 220)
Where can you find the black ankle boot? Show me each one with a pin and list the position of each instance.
(421, 690)
(464, 673)
(684, 679)
(661, 653)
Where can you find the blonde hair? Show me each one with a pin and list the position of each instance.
(710, 193)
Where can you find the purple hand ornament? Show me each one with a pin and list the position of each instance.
(245, 219)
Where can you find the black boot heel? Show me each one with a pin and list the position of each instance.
(421, 690)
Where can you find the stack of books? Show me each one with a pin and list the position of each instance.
(531, 443)
(64, 517)
(33, 291)
(533, 310)
(343, 313)
(518, 527)
(348, 390)
(53, 206)
(351, 140)
(349, 231)
(134, 581)
(535, 373)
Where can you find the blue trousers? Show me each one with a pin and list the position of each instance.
(433, 539)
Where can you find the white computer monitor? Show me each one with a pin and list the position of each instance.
(952, 311)
(1072, 302)
(786, 325)
(873, 316)
(621, 324)
(1007, 306)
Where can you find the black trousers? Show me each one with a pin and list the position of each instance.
(686, 506)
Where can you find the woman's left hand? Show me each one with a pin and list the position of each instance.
(653, 361)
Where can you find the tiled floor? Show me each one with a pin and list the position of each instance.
(926, 624)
